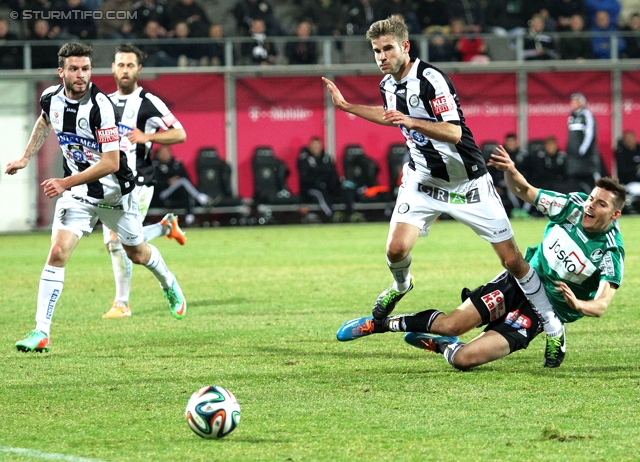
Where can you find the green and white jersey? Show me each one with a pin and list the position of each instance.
(568, 253)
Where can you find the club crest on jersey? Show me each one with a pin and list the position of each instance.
(414, 101)
(596, 255)
(61, 213)
(517, 320)
(108, 135)
(83, 123)
(403, 208)
(443, 103)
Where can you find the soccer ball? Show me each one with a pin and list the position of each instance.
(213, 412)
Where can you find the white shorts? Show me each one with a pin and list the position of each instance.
(80, 217)
(144, 195)
(474, 203)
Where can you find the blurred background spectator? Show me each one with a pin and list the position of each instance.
(43, 56)
(260, 50)
(302, 50)
(319, 180)
(215, 49)
(549, 166)
(193, 15)
(628, 164)
(537, 44)
(151, 10)
(173, 187)
(118, 27)
(246, 11)
(432, 13)
(563, 10)
(583, 158)
(578, 47)
(633, 39)
(10, 55)
(601, 44)
(611, 7)
(157, 55)
(361, 14)
(469, 45)
(77, 26)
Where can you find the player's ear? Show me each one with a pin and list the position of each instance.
(406, 46)
(616, 214)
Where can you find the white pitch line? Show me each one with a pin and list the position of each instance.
(45, 455)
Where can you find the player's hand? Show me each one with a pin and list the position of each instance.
(53, 187)
(336, 95)
(13, 167)
(137, 136)
(501, 160)
(569, 296)
(397, 118)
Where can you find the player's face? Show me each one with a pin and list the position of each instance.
(76, 75)
(599, 211)
(125, 70)
(391, 56)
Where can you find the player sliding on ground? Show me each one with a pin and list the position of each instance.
(446, 172)
(580, 262)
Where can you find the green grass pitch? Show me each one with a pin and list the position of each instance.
(264, 306)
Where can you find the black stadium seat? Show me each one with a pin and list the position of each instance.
(214, 178)
(270, 178)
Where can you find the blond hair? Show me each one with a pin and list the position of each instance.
(393, 26)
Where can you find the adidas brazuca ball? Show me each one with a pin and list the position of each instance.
(213, 412)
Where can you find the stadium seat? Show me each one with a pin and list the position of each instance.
(397, 156)
(270, 178)
(361, 173)
(214, 178)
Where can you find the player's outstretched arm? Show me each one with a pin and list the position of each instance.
(594, 308)
(370, 113)
(165, 137)
(516, 183)
(41, 130)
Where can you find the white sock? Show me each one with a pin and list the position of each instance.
(121, 271)
(155, 230)
(534, 291)
(401, 273)
(159, 269)
(49, 290)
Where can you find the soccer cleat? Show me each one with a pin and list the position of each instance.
(177, 302)
(387, 301)
(175, 232)
(118, 310)
(429, 342)
(36, 341)
(555, 350)
(356, 328)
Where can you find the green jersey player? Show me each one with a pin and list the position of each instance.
(580, 262)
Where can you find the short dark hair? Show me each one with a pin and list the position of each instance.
(510, 135)
(612, 185)
(128, 48)
(74, 49)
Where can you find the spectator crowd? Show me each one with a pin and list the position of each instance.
(550, 29)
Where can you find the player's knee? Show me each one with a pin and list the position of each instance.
(465, 359)
(397, 251)
(515, 264)
(136, 256)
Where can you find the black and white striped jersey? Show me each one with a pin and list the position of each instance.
(86, 128)
(148, 113)
(427, 93)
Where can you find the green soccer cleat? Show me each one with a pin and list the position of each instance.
(387, 301)
(36, 341)
(177, 302)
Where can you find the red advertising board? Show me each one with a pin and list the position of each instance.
(281, 112)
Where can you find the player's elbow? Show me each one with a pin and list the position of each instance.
(456, 134)
(182, 136)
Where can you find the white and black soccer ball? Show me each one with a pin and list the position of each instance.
(213, 412)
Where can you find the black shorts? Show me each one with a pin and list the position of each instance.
(505, 310)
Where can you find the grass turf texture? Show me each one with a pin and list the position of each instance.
(264, 306)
